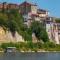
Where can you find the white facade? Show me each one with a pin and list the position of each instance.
(53, 32)
(48, 29)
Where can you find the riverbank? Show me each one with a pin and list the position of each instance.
(33, 51)
(31, 47)
(37, 51)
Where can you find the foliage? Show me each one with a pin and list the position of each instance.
(3, 20)
(5, 45)
(57, 20)
(26, 46)
(13, 21)
(39, 31)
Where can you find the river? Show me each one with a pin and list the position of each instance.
(30, 56)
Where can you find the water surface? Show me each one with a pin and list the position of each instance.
(30, 56)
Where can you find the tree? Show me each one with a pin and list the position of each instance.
(3, 20)
(39, 31)
(57, 20)
(15, 23)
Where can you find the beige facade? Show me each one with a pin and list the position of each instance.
(34, 9)
(42, 15)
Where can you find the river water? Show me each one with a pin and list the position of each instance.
(30, 56)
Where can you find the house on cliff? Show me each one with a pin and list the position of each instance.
(30, 13)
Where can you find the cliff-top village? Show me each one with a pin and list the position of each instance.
(31, 12)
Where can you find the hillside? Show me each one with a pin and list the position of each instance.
(12, 22)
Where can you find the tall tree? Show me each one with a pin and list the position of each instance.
(39, 31)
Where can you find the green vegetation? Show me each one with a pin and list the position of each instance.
(12, 21)
(57, 20)
(39, 31)
(29, 46)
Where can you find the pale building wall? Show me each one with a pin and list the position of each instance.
(34, 9)
(37, 19)
(52, 33)
(48, 29)
(59, 38)
(42, 15)
(56, 36)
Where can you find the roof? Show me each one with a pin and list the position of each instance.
(13, 4)
(41, 11)
(35, 15)
(27, 3)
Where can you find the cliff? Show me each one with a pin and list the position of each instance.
(6, 36)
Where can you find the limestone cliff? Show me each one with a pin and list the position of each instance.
(6, 36)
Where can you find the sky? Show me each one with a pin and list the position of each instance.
(53, 6)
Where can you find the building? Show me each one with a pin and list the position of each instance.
(30, 13)
(56, 32)
(12, 6)
(5, 5)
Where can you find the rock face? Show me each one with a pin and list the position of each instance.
(34, 39)
(8, 37)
